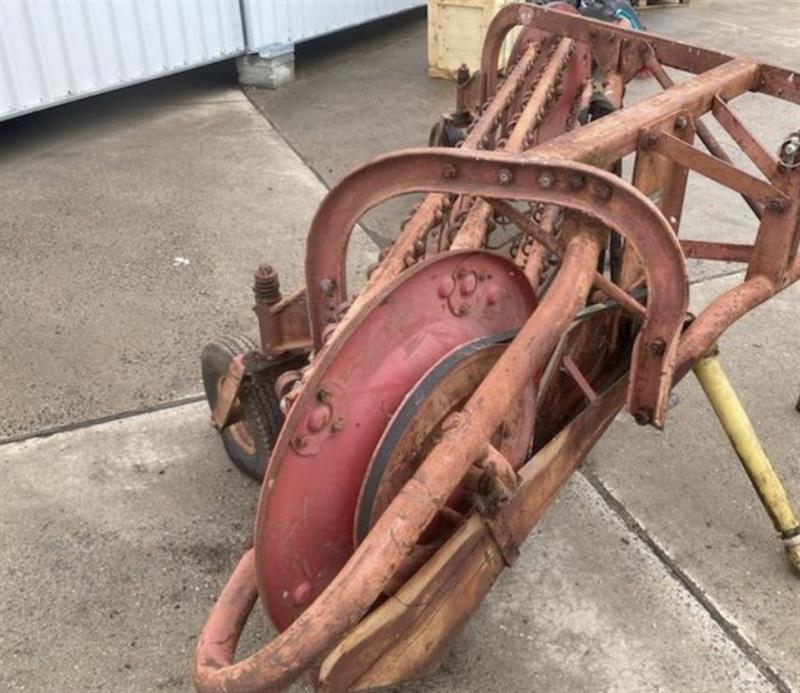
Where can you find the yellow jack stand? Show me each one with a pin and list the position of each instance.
(745, 442)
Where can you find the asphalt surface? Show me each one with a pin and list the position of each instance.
(131, 224)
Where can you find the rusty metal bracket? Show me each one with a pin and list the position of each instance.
(503, 536)
(747, 142)
(731, 177)
(225, 411)
(284, 326)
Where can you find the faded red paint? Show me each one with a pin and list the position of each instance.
(585, 359)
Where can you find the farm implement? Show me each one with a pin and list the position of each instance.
(410, 437)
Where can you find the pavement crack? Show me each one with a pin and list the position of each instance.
(728, 627)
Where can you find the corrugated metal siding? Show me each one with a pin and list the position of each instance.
(271, 22)
(53, 51)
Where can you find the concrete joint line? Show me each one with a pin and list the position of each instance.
(375, 237)
(730, 629)
(88, 423)
(721, 275)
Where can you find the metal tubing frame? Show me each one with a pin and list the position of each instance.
(618, 47)
(282, 660)
(599, 143)
(591, 191)
(702, 130)
(720, 171)
(568, 172)
(373, 564)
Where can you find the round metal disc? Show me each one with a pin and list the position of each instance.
(304, 525)
(414, 428)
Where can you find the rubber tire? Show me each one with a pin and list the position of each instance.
(263, 413)
(214, 362)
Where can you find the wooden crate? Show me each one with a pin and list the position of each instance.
(456, 29)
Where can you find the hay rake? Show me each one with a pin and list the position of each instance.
(430, 421)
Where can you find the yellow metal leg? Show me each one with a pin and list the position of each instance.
(745, 442)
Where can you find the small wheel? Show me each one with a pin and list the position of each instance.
(246, 450)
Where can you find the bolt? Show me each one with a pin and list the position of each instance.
(576, 181)
(300, 442)
(649, 138)
(788, 154)
(445, 288)
(603, 191)
(681, 122)
(504, 176)
(463, 309)
(468, 284)
(266, 285)
(327, 285)
(493, 294)
(546, 180)
(320, 417)
(453, 421)
(448, 171)
(658, 347)
(338, 425)
(643, 416)
(301, 595)
(777, 205)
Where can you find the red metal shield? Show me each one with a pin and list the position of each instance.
(304, 526)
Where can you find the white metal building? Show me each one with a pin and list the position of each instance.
(54, 51)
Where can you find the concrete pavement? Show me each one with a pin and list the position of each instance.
(686, 488)
(131, 226)
(117, 537)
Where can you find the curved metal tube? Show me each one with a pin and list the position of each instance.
(591, 191)
(425, 216)
(506, 19)
(360, 582)
(725, 310)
